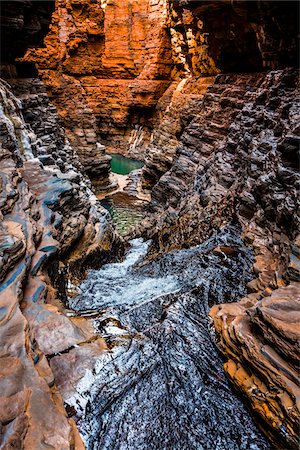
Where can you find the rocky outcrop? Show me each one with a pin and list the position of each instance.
(185, 80)
(46, 209)
(233, 36)
(237, 161)
(208, 38)
(106, 64)
(176, 109)
(261, 341)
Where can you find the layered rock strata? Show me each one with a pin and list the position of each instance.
(176, 108)
(24, 23)
(233, 36)
(106, 64)
(46, 209)
(221, 149)
(237, 160)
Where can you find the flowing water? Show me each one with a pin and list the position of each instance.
(161, 386)
(125, 211)
(125, 208)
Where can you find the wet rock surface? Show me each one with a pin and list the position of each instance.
(162, 383)
(44, 213)
(136, 362)
(237, 159)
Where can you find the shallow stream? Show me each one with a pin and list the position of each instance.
(125, 207)
(161, 385)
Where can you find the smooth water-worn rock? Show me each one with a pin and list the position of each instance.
(44, 212)
(261, 341)
(138, 364)
(162, 385)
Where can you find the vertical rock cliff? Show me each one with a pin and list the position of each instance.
(207, 94)
(47, 209)
(235, 158)
(106, 64)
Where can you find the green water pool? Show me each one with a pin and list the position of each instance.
(125, 210)
(122, 165)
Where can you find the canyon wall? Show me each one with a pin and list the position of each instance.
(227, 151)
(47, 208)
(207, 91)
(235, 36)
(211, 37)
(50, 224)
(105, 65)
(237, 162)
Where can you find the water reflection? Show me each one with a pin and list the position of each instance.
(125, 210)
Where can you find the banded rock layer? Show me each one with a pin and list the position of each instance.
(221, 148)
(237, 161)
(47, 209)
(105, 65)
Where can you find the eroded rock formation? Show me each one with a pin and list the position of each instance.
(24, 23)
(237, 161)
(106, 64)
(47, 208)
(206, 89)
(234, 36)
(44, 213)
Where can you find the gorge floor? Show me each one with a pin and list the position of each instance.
(127, 203)
(161, 384)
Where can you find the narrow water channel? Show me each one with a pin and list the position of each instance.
(124, 206)
(161, 385)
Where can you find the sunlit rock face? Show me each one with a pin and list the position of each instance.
(106, 64)
(234, 36)
(203, 90)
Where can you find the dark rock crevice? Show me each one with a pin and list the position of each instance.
(221, 160)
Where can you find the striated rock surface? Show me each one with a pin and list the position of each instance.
(176, 108)
(261, 341)
(106, 64)
(46, 208)
(233, 36)
(162, 385)
(237, 160)
(203, 87)
(24, 23)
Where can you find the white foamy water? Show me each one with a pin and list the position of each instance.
(118, 285)
(160, 384)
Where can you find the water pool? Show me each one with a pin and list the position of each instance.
(122, 165)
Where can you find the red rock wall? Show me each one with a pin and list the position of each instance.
(105, 65)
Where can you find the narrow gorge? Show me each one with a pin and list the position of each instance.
(149, 233)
